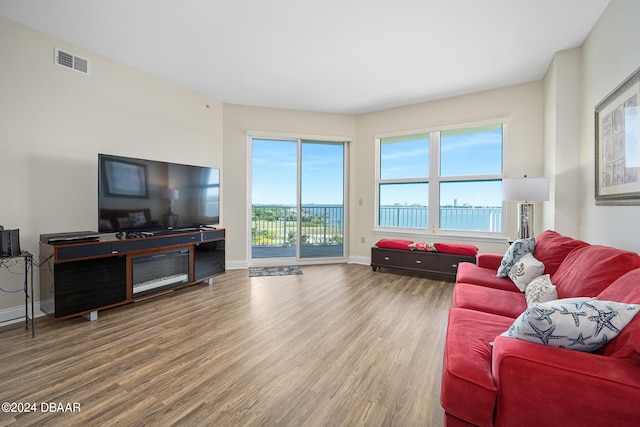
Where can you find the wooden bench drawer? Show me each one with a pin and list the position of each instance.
(420, 260)
(386, 257)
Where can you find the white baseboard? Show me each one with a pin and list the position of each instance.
(16, 314)
(235, 265)
(364, 260)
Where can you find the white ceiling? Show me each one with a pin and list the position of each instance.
(341, 56)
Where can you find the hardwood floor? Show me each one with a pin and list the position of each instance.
(339, 345)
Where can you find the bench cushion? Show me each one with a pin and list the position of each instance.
(456, 249)
(394, 244)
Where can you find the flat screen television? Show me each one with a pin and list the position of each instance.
(148, 195)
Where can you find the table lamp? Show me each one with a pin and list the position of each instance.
(525, 190)
(171, 194)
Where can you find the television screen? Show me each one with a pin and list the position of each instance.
(146, 195)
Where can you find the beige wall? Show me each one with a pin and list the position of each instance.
(610, 54)
(55, 121)
(562, 85)
(522, 105)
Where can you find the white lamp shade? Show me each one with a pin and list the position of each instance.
(171, 193)
(525, 189)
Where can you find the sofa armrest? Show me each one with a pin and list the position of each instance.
(490, 261)
(542, 385)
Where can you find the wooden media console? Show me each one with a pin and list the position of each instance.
(81, 278)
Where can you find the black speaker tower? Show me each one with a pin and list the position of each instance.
(10, 243)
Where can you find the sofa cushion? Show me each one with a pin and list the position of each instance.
(627, 344)
(394, 244)
(516, 250)
(587, 271)
(468, 391)
(124, 222)
(552, 248)
(540, 290)
(489, 300)
(456, 249)
(581, 324)
(525, 270)
(472, 273)
(626, 288)
(490, 261)
(137, 219)
(122, 219)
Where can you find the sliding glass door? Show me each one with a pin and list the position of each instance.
(322, 200)
(274, 193)
(297, 199)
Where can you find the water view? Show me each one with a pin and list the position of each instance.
(275, 225)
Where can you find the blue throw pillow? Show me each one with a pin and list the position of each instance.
(517, 250)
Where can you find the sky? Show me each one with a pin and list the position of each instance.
(274, 172)
(463, 153)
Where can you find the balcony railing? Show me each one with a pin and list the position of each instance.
(275, 225)
(451, 218)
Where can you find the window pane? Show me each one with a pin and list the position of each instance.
(471, 205)
(404, 205)
(266, 177)
(322, 199)
(472, 151)
(404, 156)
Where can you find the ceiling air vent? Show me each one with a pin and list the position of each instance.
(68, 60)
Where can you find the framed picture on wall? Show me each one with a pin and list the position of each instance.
(617, 131)
(125, 179)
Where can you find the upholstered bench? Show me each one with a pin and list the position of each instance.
(440, 259)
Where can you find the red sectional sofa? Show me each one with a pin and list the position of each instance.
(493, 380)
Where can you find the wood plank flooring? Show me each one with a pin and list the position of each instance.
(339, 345)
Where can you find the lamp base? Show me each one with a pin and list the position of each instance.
(525, 220)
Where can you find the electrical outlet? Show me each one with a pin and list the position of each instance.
(362, 240)
(360, 204)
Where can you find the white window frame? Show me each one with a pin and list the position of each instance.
(434, 179)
